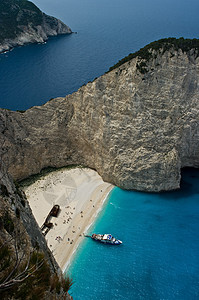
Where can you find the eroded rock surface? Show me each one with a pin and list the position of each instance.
(137, 129)
(21, 242)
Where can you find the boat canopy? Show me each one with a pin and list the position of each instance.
(107, 237)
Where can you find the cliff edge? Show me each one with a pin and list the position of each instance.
(28, 268)
(137, 125)
(22, 22)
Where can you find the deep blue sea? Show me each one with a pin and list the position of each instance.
(159, 258)
(107, 30)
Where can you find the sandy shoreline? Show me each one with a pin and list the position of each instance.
(80, 193)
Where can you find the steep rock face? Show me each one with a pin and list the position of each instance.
(20, 237)
(136, 127)
(145, 126)
(22, 22)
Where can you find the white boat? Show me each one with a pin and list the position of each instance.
(106, 239)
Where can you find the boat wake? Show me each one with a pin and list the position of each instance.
(115, 206)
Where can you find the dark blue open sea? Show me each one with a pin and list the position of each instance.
(107, 30)
(159, 258)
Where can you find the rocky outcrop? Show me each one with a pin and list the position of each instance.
(21, 245)
(23, 23)
(137, 125)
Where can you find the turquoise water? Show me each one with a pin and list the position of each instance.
(159, 258)
(107, 30)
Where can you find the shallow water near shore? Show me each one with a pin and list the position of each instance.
(159, 257)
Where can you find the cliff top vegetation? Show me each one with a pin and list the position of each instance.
(165, 44)
(15, 14)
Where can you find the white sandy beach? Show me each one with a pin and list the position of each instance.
(80, 193)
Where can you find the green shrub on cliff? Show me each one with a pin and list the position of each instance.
(25, 272)
(165, 44)
(15, 14)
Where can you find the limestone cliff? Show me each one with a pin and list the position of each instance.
(22, 245)
(22, 22)
(137, 125)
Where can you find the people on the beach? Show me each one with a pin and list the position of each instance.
(59, 239)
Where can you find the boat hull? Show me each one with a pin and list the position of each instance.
(106, 239)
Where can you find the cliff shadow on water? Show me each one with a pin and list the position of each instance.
(188, 185)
